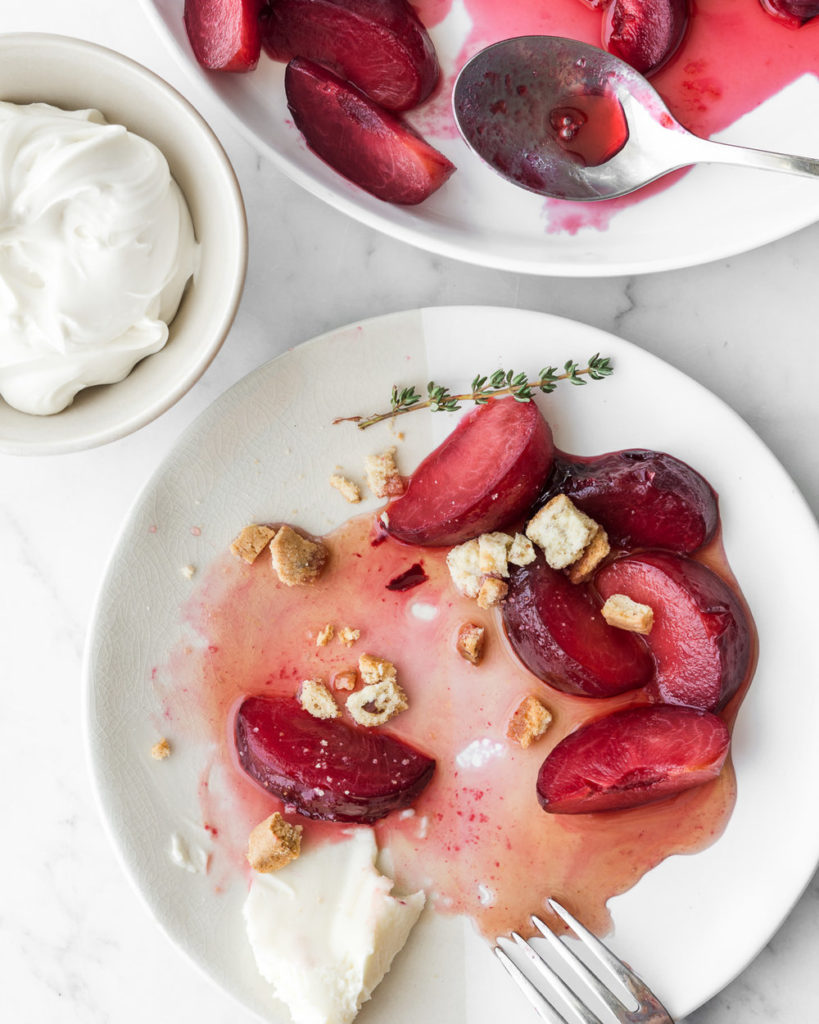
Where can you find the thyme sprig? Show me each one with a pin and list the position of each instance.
(493, 385)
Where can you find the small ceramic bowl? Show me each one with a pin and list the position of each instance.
(73, 74)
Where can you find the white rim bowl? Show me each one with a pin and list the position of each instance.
(74, 74)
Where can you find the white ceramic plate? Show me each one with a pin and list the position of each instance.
(710, 213)
(692, 923)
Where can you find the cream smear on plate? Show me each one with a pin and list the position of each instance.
(96, 248)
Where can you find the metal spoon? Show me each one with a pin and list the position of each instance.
(510, 102)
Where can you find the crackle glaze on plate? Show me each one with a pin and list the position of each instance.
(265, 449)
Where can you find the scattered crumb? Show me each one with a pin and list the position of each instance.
(622, 612)
(252, 541)
(521, 550)
(325, 635)
(492, 592)
(493, 551)
(583, 568)
(160, 750)
(315, 698)
(345, 679)
(470, 642)
(561, 530)
(386, 698)
(296, 559)
(273, 843)
(463, 562)
(348, 636)
(346, 488)
(188, 571)
(382, 474)
(376, 670)
(529, 721)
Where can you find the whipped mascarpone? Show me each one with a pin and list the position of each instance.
(96, 247)
(324, 930)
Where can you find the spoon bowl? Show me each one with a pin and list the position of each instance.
(568, 120)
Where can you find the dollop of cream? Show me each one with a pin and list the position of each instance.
(96, 247)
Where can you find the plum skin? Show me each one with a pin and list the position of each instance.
(631, 757)
(326, 768)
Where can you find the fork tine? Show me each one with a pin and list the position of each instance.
(650, 1008)
(541, 1004)
(579, 969)
(557, 983)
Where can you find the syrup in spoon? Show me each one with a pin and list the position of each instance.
(568, 120)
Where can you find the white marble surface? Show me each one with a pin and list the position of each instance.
(76, 943)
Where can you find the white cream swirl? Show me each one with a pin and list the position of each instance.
(96, 247)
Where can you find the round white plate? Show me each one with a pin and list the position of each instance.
(711, 213)
(265, 450)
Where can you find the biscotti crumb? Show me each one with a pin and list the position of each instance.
(273, 843)
(561, 530)
(376, 703)
(493, 550)
(252, 541)
(346, 488)
(345, 679)
(463, 562)
(470, 642)
(316, 699)
(296, 560)
(583, 569)
(188, 571)
(382, 474)
(160, 750)
(620, 611)
(521, 550)
(529, 722)
(325, 635)
(376, 670)
(492, 592)
(348, 636)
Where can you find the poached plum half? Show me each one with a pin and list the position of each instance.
(701, 638)
(631, 757)
(557, 631)
(485, 475)
(225, 35)
(378, 45)
(642, 498)
(327, 768)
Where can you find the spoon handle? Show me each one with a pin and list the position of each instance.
(721, 152)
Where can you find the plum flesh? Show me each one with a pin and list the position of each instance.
(485, 475)
(635, 756)
(327, 768)
(556, 629)
(643, 498)
(225, 35)
(645, 33)
(361, 140)
(701, 638)
(378, 45)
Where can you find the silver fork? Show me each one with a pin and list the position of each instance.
(649, 1009)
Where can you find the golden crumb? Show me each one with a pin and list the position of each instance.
(252, 541)
(492, 592)
(296, 560)
(273, 843)
(376, 670)
(622, 612)
(529, 722)
(348, 636)
(316, 699)
(470, 642)
(561, 530)
(160, 750)
(345, 679)
(597, 549)
(382, 474)
(325, 635)
(377, 703)
(346, 488)
(188, 571)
